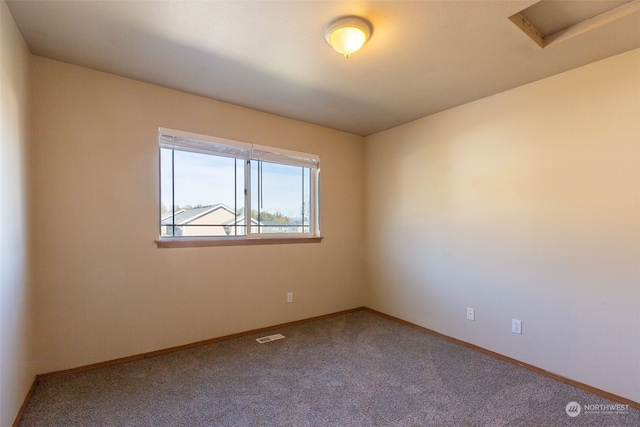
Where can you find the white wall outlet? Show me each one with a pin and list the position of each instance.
(289, 296)
(516, 326)
(471, 313)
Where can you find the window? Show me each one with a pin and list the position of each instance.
(218, 188)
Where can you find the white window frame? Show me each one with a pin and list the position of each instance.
(206, 144)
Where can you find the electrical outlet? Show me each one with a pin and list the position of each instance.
(471, 313)
(516, 326)
(289, 296)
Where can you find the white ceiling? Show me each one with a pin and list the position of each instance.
(423, 56)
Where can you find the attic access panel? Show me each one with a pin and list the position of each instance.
(551, 21)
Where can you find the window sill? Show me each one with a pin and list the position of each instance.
(204, 242)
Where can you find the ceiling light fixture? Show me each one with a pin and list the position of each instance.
(346, 35)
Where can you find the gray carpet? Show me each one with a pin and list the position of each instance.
(356, 369)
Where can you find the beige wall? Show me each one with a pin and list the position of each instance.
(522, 205)
(17, 369)
(104, 289)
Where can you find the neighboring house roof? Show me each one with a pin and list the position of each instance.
(185, 216)
(240, 219)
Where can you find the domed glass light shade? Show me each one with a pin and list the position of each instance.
(347, 35)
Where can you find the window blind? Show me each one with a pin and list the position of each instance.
(286, 157)
(204, 144)
(196, 143)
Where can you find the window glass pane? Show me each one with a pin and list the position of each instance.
(238, 226)
(306, 200)
(280, 198)
(166, 192)
(206, 201)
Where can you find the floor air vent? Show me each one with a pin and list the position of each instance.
(270, 338)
